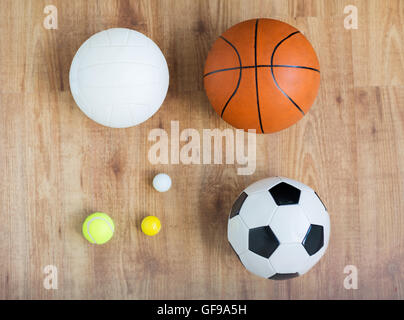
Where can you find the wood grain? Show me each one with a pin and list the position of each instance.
(57, 166)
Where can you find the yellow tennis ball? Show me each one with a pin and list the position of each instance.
(98, 228)
(151, 225)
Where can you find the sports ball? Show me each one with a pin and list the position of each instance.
(151, 225)
(262, 74)
(98, 228)
(162, 182)
(119, 78)
(279, 228)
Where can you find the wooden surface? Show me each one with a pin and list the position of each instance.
(57, 166)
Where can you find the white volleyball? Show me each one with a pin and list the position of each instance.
(119, 78)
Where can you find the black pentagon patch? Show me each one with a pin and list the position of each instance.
(285, 194)
(284, 276)
(262, 241)
(235, 210)
(321, 201)
(314, 239)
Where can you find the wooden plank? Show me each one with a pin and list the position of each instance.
(58, 166)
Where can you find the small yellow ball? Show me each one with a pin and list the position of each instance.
(151, 225)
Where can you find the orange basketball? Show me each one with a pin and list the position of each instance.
(262, 74)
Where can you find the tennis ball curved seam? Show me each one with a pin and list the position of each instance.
(89, 223)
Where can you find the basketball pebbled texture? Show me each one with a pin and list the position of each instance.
(262, 74)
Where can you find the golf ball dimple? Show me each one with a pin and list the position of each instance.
(162, 182)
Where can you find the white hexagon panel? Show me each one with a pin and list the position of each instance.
(237, 233)
(258, 209)
(290, 224)
(288, 257)
(256, 264)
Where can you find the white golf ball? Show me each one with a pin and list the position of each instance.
(162, 182)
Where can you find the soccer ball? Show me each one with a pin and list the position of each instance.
(279, 228)
(119, 78)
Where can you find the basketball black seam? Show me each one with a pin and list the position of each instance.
(239, 78)
(262, 66)
(273, 75)
(221, 70)
(256, 74)
(256, 66)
